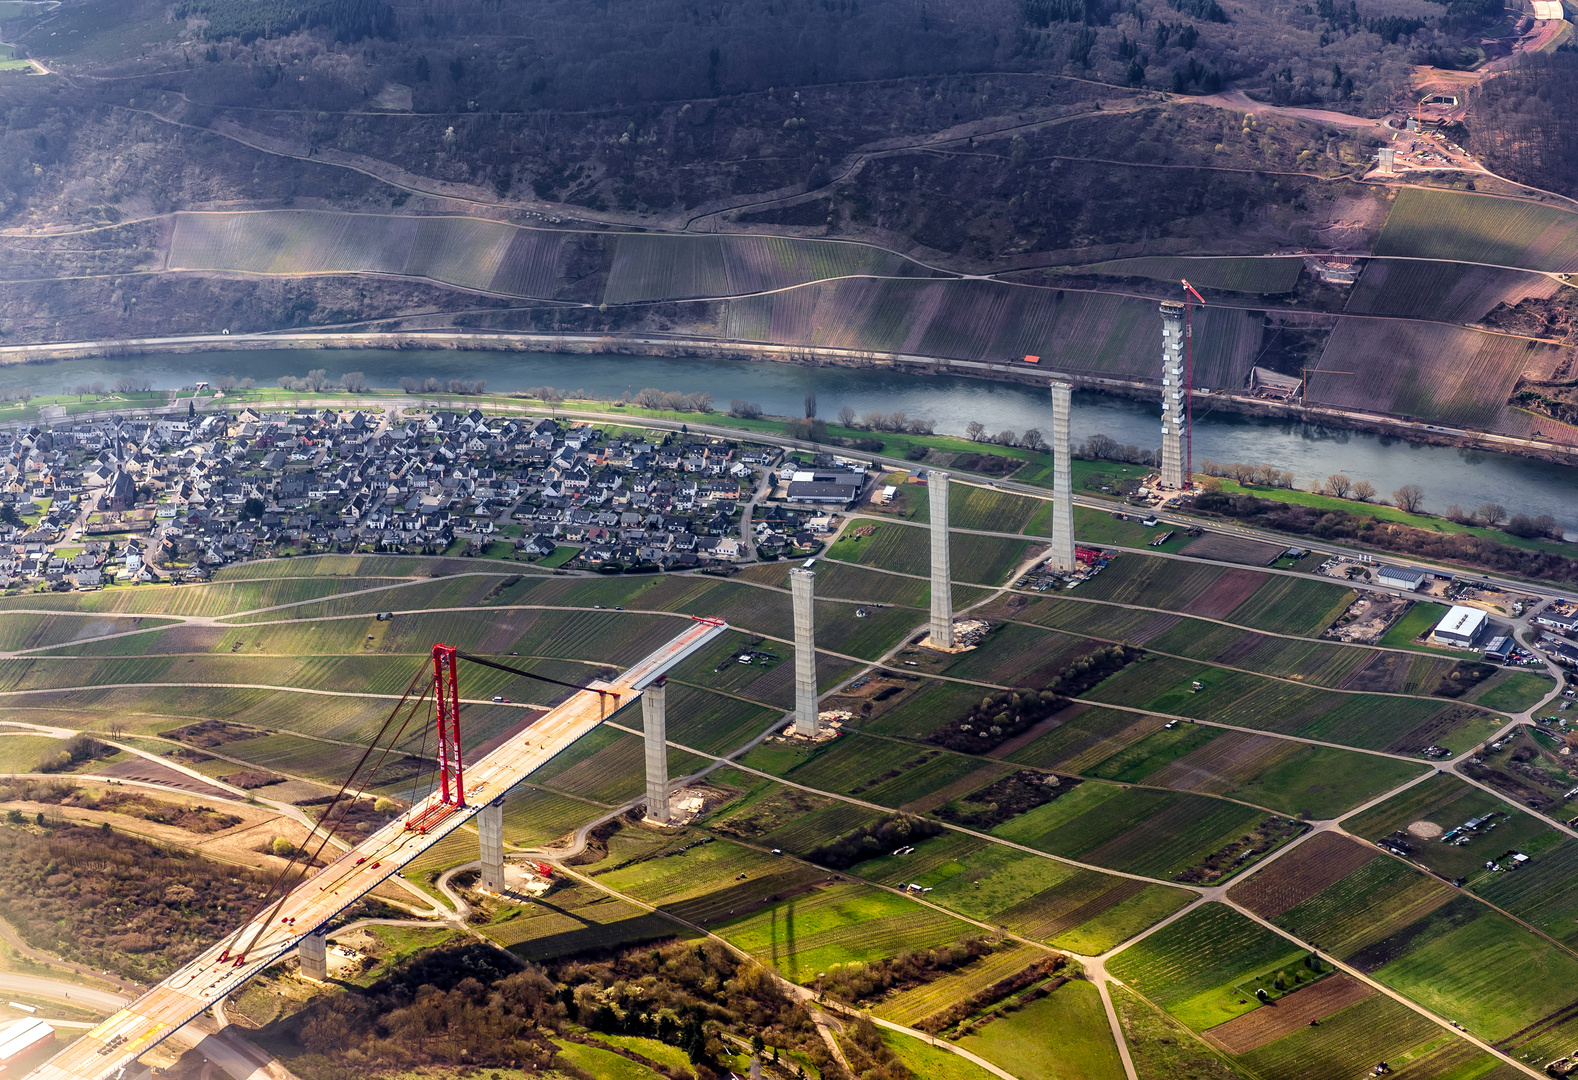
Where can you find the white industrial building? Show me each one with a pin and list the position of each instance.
(1400, 577)
(21, 1041)
(1462, 627)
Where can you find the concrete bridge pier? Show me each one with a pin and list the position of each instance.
(941, 568)
(314, 954)
(802, 588)
(490, 835)
(654, 724)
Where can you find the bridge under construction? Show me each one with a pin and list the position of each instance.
(306, 901)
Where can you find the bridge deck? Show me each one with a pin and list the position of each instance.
(104, 1051)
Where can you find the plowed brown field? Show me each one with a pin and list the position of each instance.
(1270, 1022)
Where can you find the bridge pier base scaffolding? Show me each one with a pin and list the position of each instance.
(314, 954)
(490, 837)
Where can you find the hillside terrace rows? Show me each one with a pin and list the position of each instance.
(192, 494)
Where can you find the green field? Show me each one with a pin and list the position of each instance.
(1449, 802)
(1246, 274)
(1464, 227)
(1069, 907)
(1490, 975)
(1279, 774)
(1018, 1042)
(1419, 620)
(839, 924)
(1350, 1042)
(1199, 967)
(926, 1060)
(906, 549)
(1517, 691)
(1138, 830)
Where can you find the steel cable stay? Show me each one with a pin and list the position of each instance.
(444, 709)
(601, 693)
(324, 823)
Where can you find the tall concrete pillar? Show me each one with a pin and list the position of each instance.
(941, 568)
(490, 831)
(802, 586)
(314, 954)
(654, 721)
(1173, 397)
(1062, 479)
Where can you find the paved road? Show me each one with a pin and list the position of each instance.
(86, 997)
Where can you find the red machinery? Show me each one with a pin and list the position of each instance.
(446, 702)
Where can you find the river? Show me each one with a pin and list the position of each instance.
(1448, 475)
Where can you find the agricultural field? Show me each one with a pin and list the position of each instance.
(534, 817)
(472, 253)
(1014, 654)
(1083, 911)
(1350, 1042)
(919, 709)
(909, 1006)
(1447, 803)
(988, 510)
(925, 1060)
(1248, 274)
(1512, 691)
(988, 320)
(1449, 292)
(1280, 774)
(906, 549)
(1085, 1050)
(213, 599)
(1085, 736)
(1417, 621)
(839, 923)
(1092, 526)
(1463, 227)
(1430, 372)
(1440, 947)
(1203, 968)
(882, 771)
(21, 753)
(649, 267)
(578, 918)
(1144, 831)
(1240, 699)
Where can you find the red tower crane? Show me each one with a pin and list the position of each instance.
(1188, 386)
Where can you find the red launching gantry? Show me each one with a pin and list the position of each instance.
(446, 700)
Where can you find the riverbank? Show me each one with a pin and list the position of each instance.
(683, 348)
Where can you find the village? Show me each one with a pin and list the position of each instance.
(142, 499)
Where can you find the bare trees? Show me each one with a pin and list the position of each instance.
(1337, 485)
(974, 430)
(1492, 514)
(810, 404)
(671, 401)
(1409, 498)
(746, 410)
(1363, 491)
(846, 416)
(353, 381)
(1261, 475)
(1032, 440)
(898, 422)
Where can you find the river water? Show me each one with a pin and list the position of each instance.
(1448, 475)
